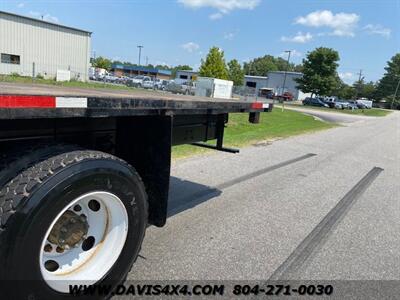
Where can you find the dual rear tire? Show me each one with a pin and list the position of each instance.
(68, 216)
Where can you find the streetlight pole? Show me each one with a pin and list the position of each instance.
(140, 52)
(284, 78)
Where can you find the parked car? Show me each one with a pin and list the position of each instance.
(137, 81)
(110, 78)
(186, 88)
(122, 80)
(330, 101)
(160, 84)
(286, 96)
(314, 102)
(341, 104)
(352, 105)
(147, 83)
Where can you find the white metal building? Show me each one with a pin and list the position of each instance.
(33, 47)
(276, 81)
(185, 75)
(256, 82)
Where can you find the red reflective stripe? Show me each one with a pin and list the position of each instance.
(22, 101)
(257, 105)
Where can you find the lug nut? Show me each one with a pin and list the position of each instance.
(59, 250)
(63, 229)
(61, 241)
(48, 248)
(72, 221)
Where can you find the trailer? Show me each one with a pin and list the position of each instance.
(83, 172)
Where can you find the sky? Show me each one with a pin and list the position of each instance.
(366, 33)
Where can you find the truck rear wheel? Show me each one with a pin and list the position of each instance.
(76, 217)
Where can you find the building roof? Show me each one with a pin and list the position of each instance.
(256, 77)
(45, 22)
(187, 71)
(289, 73)
(141, 69)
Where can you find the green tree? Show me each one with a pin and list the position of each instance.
(320, 72)
(214, 66)
(260, 66)
(235, 72)
(101, 62)
(387, 85)
(344, 91)
(365, 90)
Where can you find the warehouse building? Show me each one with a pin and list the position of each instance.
(186, 75)
(33, 47)
(131, 71)
(256, 82)
(276, 80)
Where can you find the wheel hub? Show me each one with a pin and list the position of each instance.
(70, 230)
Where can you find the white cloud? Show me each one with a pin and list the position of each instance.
(378, 29)
(190, 47)
(21, 5)
(298, 38)
(223, 6)
(343, 24)
(45, 17)
(229, 36)
(347, 77)
(216, 16)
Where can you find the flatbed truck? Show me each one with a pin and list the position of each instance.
(83, 172)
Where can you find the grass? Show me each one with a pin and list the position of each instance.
(77, 84)
(373, 112)
(274, 125)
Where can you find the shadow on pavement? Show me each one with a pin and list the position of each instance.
(184, 195)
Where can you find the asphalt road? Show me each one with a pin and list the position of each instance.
(329, 116)
(321, 206)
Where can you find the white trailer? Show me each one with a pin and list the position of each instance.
(364, 102)
(214, 88)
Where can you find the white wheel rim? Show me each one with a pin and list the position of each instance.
(109, 228)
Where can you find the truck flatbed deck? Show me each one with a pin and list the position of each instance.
(84, 171)
(102, 102)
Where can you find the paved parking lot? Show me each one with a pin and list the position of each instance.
(240, 217)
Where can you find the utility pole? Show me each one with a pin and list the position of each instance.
(284, 79)
(395, 93)
(147, 60)
(140, 52)
(360, 77)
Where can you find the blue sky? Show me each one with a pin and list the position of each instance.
(365, 32)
